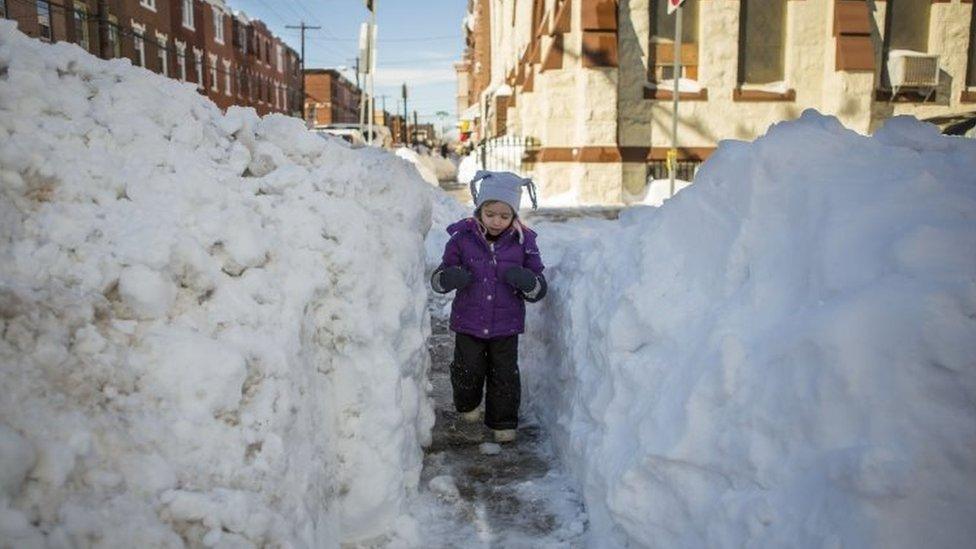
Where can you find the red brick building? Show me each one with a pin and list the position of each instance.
(232, 59)
(330, 98)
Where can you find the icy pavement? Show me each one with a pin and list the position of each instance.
(475, 493)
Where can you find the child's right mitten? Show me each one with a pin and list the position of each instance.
(454, 278)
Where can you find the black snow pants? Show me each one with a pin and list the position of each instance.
(488, 366)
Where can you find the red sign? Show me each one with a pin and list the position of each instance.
(673, 5)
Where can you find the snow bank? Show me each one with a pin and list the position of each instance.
(780, 356)
(213, 326)
(433, 168)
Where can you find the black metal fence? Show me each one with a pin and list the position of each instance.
(57, 22)
(508, 153)
(685, 170)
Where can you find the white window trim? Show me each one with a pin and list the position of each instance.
(278, 56)
(83, 40)
(181, 58)
(188, 22)
(161, 42)
(218, 21)
(148, 4)
(227, 90)
(198, 64)
(139, 41)
(212, 57)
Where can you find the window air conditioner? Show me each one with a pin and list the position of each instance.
(912, 69)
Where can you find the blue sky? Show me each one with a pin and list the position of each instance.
(419, 42)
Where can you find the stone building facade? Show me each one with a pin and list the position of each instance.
(591, 80)
(232, 59)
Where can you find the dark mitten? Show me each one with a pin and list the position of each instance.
(521, 278)
(454, 278)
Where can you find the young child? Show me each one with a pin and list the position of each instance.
(493, 263)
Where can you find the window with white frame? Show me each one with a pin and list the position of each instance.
(148, 4)
(181, 58)
(162, 54)
(279, 58)
(218, 21)
(113, 37)
(81, 24)
(227, 90)
(198, 64)
(44, 19)
(212, 57)
(188, 14)
(139, 43)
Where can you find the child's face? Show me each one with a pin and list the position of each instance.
(496, 217)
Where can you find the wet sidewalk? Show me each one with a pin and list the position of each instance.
(482, 494)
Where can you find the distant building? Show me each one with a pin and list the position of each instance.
(591, 81)
(330, 98)
(422, 133)
(232, 59)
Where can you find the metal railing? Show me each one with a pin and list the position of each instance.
(508, 153)
(685, 169)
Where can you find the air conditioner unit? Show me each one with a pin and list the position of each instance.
(912, 69)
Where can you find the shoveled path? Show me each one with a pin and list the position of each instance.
(517, 497)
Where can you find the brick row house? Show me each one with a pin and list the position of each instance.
(234, 60)
(330, 98)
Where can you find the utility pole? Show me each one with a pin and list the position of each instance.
(406, 133)
(675, 5)
(370, 4)
(303, 26)
(362, 98)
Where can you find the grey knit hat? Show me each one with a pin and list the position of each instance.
(501, 186)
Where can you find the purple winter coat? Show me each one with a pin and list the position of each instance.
(488, 307)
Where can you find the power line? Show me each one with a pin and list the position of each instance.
(386, 40)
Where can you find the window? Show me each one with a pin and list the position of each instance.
(242, 37)
(908, 25)
(181, 58)
(162, 54)
(662, 42)
(971, 66)
(139, 43)
(188, 14)
(762, 41)
(114, 45)
(213, 71)
(148, 4)
(227, 77)
(44, 19)
(279, 57)
(198, 64)
(3, 8)
(218, 20)
(81, 25)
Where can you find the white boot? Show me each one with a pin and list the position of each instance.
(474, 416)
(504, 435)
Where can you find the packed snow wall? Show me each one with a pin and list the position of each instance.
(213, 326)
(783, 355)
